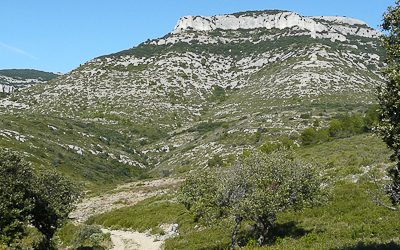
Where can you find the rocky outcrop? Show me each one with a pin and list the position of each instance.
(13, 79)
(6, 89)
(336, 28)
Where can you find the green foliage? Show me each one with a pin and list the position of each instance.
(145, 215)
(340, 223)
(90, 170)
(346, 126)
(91, 237)
(388, 95)
(82, 236)
(283, 142)
(214, 237)
(42, 199)
(15, 196)
(311, 136)
(53, 201)
(24, 74)
(218, 94)
(371, 118)
(215, 161)
(342, 127)
(205, 127)
(305, 116)
(255, 189)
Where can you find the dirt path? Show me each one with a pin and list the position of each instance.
(122, 196)
(127, 240)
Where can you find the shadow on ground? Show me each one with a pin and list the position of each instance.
(289, 229)
(283, 230)
(374, 246)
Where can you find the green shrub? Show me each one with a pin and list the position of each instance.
(253, 190)
(311, 136)
(342, 127)
(91, 237)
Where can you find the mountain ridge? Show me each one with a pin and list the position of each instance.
(277, 19)
(14, 79)
(172, 103)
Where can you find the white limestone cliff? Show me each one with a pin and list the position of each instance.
(335, 28)
(6, 88)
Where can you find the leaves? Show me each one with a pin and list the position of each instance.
(42, 199)
(254, 189)
(389, 96)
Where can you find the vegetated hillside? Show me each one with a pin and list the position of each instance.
(13, 79)
(215, 85)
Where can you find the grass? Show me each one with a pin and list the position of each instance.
(348, 219)
(343, 157)
(146, 215)
(72, 236)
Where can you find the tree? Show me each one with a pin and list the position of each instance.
(15, 198)
(252, 190)
(54, 197)
(29, 197)
(389, 98)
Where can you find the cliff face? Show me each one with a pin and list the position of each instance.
(13, 79)
(335, 28)
(6, 89)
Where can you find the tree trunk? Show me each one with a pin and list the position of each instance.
(263, 229)
(238, 220)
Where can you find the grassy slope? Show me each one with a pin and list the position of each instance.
(347, 220)
(48, 148)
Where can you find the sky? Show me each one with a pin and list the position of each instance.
(59, 35)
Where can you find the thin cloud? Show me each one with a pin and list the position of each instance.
(16, 50)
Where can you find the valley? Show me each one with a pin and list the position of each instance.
(131, 128)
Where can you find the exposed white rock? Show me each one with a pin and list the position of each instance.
(77, 149)
(281, 20)
(9, 84)
(341, 19)
(13, 135)
(52, 127)
(6, 88)
(231, 22)
(8, 104)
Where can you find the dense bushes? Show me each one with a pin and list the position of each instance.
(31, 198)
(341, 127)
(208, 126)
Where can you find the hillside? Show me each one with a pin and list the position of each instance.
(213, 86)
(13, 79)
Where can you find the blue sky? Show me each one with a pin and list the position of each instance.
(58, 35)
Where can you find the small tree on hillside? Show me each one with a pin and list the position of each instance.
(54, 198)
(27, 197)
(389, 97)
(15, 198)
(255, 189)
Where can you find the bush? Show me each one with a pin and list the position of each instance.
(41, 199)
(345, 126)
(91, 237)
(311, 136)
(253, 190)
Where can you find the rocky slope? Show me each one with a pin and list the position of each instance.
(214, 85)
(13, 79)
